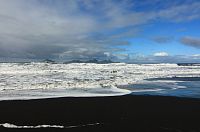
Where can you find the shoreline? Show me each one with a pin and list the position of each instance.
(136, 112)
(35, 94)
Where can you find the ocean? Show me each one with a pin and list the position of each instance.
(19, 81)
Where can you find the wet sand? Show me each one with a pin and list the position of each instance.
(120, 113)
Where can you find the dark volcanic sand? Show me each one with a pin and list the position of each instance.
(122, 113)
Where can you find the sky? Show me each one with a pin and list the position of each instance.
(133, 31)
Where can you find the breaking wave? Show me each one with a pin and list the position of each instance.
(44, 80)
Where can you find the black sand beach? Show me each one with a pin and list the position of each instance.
(121, 113)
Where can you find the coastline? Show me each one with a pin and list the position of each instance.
(135, 112)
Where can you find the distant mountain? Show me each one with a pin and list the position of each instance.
(188, 64)
(49, 61)
(91, 61)
(73, 61)
(106, 62)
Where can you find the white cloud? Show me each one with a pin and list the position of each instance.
(161, 54)
(121, 56)
(182, 12)
(196, 55)
(107, 54)
(51, 28)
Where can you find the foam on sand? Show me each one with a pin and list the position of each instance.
(8, 125)
(55, 93)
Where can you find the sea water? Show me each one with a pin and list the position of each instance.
(45, 80)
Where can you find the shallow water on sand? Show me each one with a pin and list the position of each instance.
(181, 87)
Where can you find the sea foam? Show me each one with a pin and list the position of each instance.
(44, 80)
(9, 125)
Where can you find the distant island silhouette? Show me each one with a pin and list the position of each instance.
(91, 61)
(81, 61)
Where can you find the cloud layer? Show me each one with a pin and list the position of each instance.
(191, 41)
(160, 54)
(82, 29)
(162, 39)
